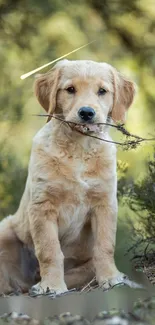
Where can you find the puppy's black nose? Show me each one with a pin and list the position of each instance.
(86, 113)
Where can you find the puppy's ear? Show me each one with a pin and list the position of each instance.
(124, 92)
(46, 87)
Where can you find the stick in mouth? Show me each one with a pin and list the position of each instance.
(86, 128)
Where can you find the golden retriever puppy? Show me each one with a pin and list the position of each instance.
(65, 225)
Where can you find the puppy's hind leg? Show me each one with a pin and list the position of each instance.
(15, 269)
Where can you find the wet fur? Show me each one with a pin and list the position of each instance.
(63, 232)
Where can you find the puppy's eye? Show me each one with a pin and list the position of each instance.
(71, 90)
(102, 91)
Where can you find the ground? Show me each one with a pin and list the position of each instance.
(143, 313)
(140, 311)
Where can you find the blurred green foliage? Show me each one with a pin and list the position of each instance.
(33, 33)
(139, 196)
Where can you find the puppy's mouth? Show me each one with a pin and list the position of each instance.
(88, 128)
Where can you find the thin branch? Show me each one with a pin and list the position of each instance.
(132, 144)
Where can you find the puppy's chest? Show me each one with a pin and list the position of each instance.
(79, 190)
(84, 176)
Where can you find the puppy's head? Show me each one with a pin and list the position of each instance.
(85, 92)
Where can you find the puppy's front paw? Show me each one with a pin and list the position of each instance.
(43, 288)
(109, 282)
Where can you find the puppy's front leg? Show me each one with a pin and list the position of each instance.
(104, 223)
(44, 231)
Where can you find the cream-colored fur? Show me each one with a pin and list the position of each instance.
(65, 225)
